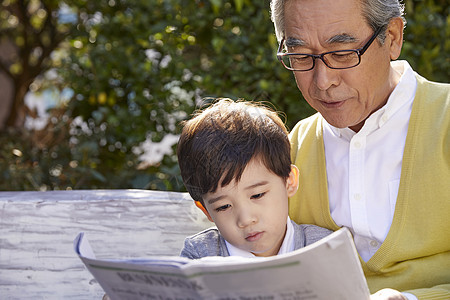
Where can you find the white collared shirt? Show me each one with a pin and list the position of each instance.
(363, 168)
(286, 247)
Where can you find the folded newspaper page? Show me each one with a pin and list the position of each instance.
(327, 269)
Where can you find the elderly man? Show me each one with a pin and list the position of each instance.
(376, 156)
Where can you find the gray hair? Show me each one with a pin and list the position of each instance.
(378, 13)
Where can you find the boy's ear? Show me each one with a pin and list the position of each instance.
(292, 181)
(203, 209)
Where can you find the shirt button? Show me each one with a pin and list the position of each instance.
(373, 243)
(357, 197)
(357, 145)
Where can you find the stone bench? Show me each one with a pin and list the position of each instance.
(37, 229)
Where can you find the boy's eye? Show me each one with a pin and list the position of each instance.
(223, 207)
(257, 196)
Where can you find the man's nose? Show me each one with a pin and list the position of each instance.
(324, 77)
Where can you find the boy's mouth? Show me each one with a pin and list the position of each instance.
(254, 236)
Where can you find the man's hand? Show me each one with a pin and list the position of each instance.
(387, 294)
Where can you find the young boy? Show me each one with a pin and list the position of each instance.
(235, 163)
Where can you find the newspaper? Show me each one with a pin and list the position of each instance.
(327, 269)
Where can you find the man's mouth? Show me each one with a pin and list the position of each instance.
(333, 104)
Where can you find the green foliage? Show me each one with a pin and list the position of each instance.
(139, 67)
(427, 38)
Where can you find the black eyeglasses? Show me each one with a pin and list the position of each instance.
(340, 59)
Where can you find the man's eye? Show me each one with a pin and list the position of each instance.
(223, 207)
(343, 56)
(257, 196)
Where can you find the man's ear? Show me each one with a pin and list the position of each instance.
(203, 209)
(292, 181)
(394, 37)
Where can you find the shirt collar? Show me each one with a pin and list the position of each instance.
(402, 94)
(286, 246)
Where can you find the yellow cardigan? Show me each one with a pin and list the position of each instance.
(415, 256)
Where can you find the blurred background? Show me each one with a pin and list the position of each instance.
(92, 92)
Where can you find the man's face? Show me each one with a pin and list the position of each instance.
(345, 98)
(251, 214)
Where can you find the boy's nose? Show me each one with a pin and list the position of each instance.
(246, 217)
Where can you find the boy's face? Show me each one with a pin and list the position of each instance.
(251, 214)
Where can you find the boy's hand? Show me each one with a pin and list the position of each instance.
(388, 294)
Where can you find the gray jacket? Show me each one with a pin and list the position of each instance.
(209, 242)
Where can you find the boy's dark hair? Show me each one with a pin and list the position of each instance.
(217, 144)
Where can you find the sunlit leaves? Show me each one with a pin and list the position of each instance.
(138, 67)
(426, 40)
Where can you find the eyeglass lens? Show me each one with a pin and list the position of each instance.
(336, 60)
